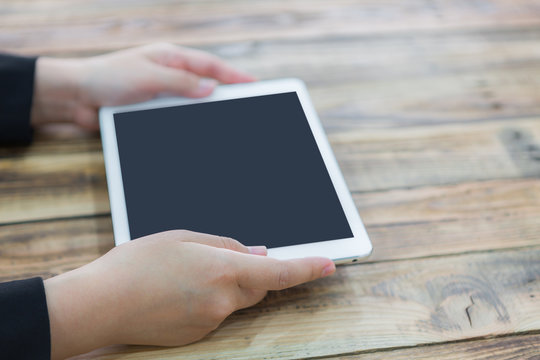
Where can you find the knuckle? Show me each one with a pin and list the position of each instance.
(179, 233)
(229, 243)
(314, 274)
(284, 276)
(223, 242)
(183, 232)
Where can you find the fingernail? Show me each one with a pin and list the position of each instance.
(206, 84)
(257, 250)
(328, 269)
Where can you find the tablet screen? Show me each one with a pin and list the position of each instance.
(245, 168)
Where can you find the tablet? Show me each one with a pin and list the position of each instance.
(251, 162)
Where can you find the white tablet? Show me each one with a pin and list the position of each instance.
(251, 162)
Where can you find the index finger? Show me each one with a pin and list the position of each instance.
(265, 273)
(213, 240)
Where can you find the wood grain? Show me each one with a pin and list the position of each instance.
(83, 25)
(50, 186)
(505, 348)
(50, 248)
(451, 219)
(370, 306)
(448, 154)
(398, 80)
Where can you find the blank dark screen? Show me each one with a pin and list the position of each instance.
(245, 168)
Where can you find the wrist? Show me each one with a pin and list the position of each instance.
(57, 90)
(79, 315)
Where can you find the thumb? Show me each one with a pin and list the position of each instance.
(265, 273)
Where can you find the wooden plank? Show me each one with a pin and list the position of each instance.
(374, 82)
(452, 219)
(509, 347)
(47, 141)
(50, 248)
(482, 96)
(50, 186)
(377, 306)
(61, 26)
(418, 156)
(56, 184)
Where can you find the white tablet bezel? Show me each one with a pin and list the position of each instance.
(340, 250)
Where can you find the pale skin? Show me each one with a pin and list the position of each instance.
(170, 288)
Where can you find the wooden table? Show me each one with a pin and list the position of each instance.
(433, 111)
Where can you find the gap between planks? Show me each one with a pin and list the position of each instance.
(436, 348)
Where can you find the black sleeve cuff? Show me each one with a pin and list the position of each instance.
(16, 91)
(24, 320)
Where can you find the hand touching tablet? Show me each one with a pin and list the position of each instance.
(170, 288)
(72, 90)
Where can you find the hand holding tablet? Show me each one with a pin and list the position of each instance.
(250, 162)
(166, 289)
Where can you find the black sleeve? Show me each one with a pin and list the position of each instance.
(16, 90)
(24, 320)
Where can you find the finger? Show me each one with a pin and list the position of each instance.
(202, 64)
(181, 82)
(205, 64)
(270, 274)
(222, 242)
